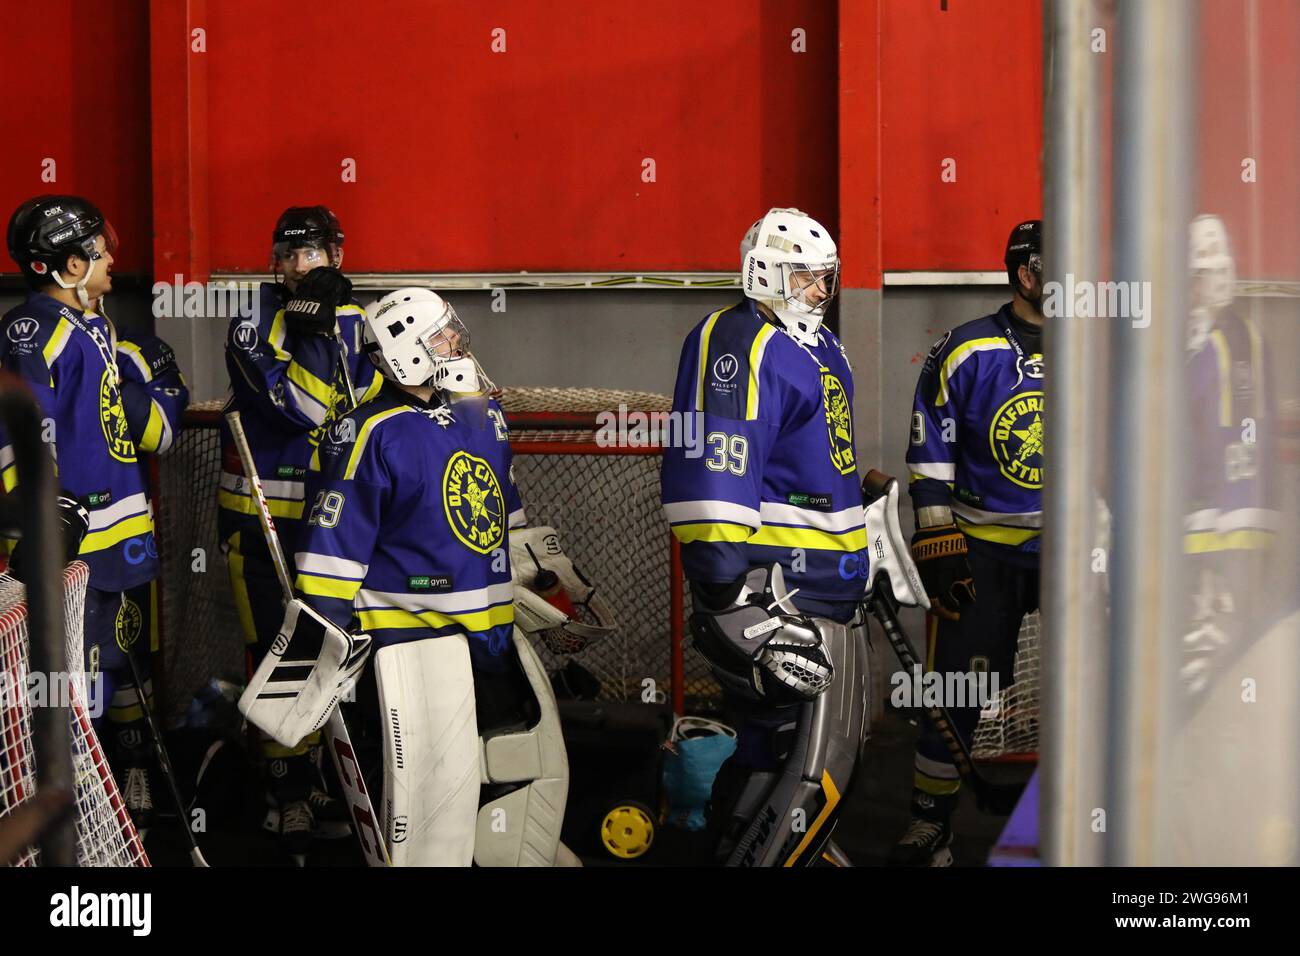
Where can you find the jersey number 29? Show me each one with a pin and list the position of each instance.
(325, 511)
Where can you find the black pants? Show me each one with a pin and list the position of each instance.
(984, 639)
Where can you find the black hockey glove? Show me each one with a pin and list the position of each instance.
(74, 521)
(940, 557)
(310, 310)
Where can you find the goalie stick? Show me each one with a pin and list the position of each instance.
(164, 763)
(338, 740)
(997, 797)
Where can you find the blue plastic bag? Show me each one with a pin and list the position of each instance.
(699, 749)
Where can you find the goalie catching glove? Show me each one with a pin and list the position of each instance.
(549, 591)
(760, 646)
(311, 665)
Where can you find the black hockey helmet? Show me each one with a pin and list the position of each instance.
(1024, 248)
(44, 231)
(309, 227)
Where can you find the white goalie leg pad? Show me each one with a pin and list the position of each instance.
(431, 751)
(522, 828)
(311, 664)
(892, 552)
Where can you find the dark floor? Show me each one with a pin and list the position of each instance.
(873, 816)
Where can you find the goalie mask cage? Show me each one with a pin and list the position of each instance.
(602, 499)
(105, 834)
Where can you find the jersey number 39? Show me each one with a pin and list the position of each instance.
(731, 453)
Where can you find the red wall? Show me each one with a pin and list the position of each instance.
(532, 159)
(963, 82)
(473, 161)
(1263, 217)
(78, 93)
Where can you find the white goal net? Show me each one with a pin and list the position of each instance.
(105, 834)
(1008, 728)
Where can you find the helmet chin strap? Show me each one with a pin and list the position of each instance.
(80, 286)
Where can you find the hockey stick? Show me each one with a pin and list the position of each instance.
(164, 762)
(997, 797)
(336, 731)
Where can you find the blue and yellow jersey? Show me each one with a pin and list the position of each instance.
(154, 393)
(977, 434)
(1232, 495)
(405, 531)
(288, 389)
(67, 358)
(772, 475)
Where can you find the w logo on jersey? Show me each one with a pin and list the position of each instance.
(839, 423)
(245, 336)
(343, 431)
(22, 330)
(725, 368)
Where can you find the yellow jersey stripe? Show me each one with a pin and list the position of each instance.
(1243, 539)
(756, 351)
(375, 385)
(810, 538)
(309, 383)
(998, 533)
(320, 586)
(128, 528)
(54, 347)
(394, 618)
(151, 440)
(704, 358)
(1225, 377)
(711, 531)
(960, 354)
(244, 505)
(354, 460)
(136, 356)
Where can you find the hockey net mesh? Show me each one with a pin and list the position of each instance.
(604, 502)
(105, 834)
(1009, 729)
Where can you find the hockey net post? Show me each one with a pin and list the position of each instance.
(105, 835)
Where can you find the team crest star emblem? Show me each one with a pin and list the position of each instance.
(1031, 438)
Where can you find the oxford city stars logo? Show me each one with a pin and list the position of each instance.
(113, 420)
(476, 509)
(1016, 437)
(839, 424)
(128, 624)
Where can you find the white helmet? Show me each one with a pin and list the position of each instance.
(415, 338)
(1209, 259)
(790, 264)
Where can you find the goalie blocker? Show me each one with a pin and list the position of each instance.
(312, 664)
